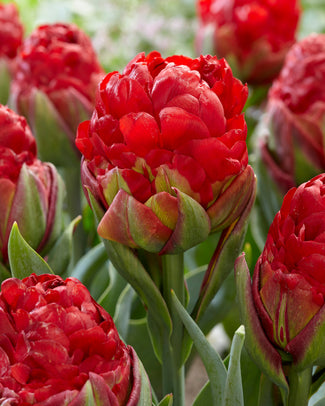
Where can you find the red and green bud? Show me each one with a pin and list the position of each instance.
(11, 37)
(293, 131)
(165, 146)
(59, 347)
(31, 191)
(254, 36)
(284, 308)
(54, 87)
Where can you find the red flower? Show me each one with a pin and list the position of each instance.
(30, 190)
(253, 35)
(56, 77)
(164, 127)
(293, 146)
(11, 30)
(59, 347)
(284, 309)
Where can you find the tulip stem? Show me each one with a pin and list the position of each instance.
(172, 368)
(299, 384)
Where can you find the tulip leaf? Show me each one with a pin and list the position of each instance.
(5, 79)
(59, 256)
(166, 401)
(123, 310)
(4, 273)
(214, 366)
(145, 394)
(23, 259)
(222, 262)
(130, 268)
(234, 388)
(52, 133)
(258, 346)
(204, 397)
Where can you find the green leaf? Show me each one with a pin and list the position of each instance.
(59, 255)
(222, 262)
(4, 273)
(166, 401)
(123, 310)
(23, 259)
(132, 270)
(213, 363)
(234, 388)
(204, 397)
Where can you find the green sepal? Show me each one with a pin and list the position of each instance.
(23, 259)
(131, 269)
(258, 346)
(60, 254)
(214, 366)
(234, 388)
(51, 133)
(229, 246)
(166, 401)
(192, 227)
(5, 79)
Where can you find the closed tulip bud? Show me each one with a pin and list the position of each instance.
(54, 87)
(31, 190)
(254, 36)
(293, 133)
(11, 37)
(59, 347)
(164, 153)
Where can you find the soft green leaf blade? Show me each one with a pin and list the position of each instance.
(59, 256)
(23, 259)
(204, 397)
(213, 363)
(123, 310)
(4, 273)
(234, 388)
(166, 401)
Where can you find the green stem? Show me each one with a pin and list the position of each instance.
(299, 384)
(172, 368)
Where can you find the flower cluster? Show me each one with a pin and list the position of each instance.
(59, 347)
(163, 126)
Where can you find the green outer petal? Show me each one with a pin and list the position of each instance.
(27, 209)
(192, 227)
(23, 259)
(51, 133)
(229, 245)
(131, 269)
(307, 348)
(258, 346)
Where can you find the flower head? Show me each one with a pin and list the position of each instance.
(163, 131)
(253, 35)
(293, 138)
(59, 347)
(31, 190)
(11, 31)
(56, 77)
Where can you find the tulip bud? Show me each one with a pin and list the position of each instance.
(164, 146)
(254, 36)
(11, 36)
(59, 347)
(31, 190)
(293, 133)
(54, 87)
(284, 309)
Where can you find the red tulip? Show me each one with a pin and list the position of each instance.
(254, 36)
(11, 37)
(54, 86)
(31, 191)
(166, 143)
(292, 139)
(59, 347)
(284, 309)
